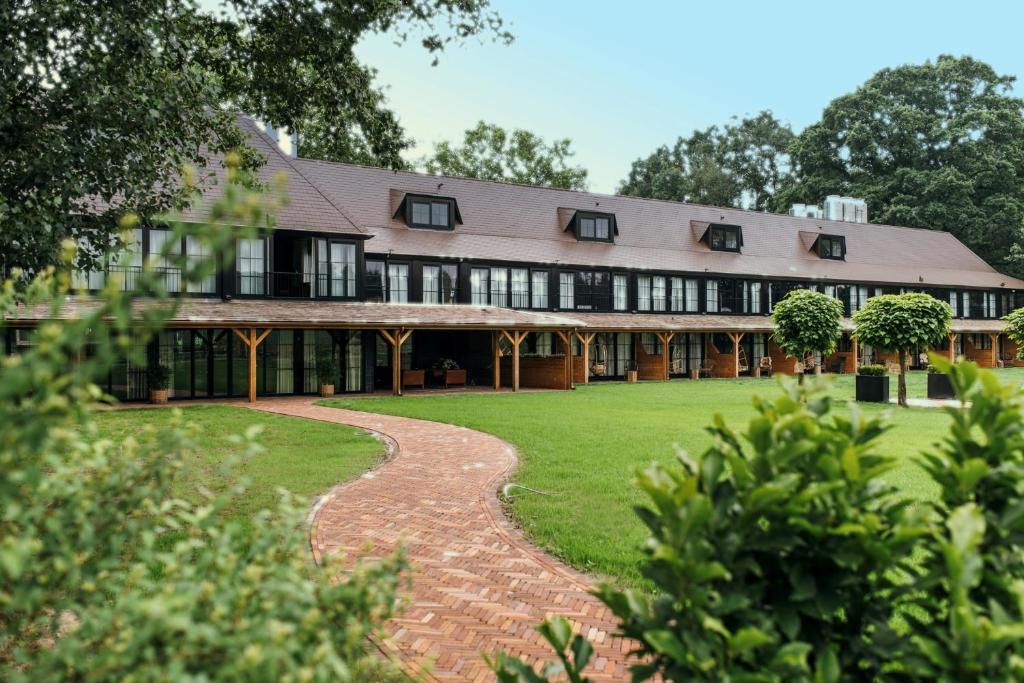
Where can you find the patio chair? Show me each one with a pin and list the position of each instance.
(707, 368)
(742, 357)
(766, 366)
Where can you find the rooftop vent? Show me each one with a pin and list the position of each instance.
(836, 208)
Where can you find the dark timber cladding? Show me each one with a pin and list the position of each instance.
(400, 274)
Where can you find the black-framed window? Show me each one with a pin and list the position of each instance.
(398, 283)
(479, 286)
(434, 213)
(499, 287)
(832, 247)
(539, 288)
(519, 287)
(566, 291)
(336, 264)
(375, 285)
(440, 284)
(725, 238)
(620, 292)
(591, 290)
(595, 227)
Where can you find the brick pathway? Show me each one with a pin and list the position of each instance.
(477, 584)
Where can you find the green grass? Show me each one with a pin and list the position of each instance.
(304, 456)
(584, 447)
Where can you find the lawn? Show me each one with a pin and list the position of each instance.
(304, 456)
(584, 447)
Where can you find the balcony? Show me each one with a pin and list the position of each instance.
(290, 285)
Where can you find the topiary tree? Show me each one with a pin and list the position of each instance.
(807, 322)
(900, 322)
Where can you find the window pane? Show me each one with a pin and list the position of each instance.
(601, 228)
(439, 214)
(677, 297)
(251, 266)
(587, 227)
(731, 239)
(479, 286)
(431, 290)
(421, 213)
(643, 292)
(520, 288)
(621, 293)
(692, 296)
(343, 269)
(198, 252)
(374, 280)
(566, 294)
(449, 284)
(711, 302)
(658, 293)
(540, 289)
(398, 283)
(164, 265)
(499, 287)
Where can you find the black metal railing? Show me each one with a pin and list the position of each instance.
(290, 285)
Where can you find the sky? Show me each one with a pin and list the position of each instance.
(622, 78)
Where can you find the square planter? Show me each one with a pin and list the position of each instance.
(158, 396)
(455, 377)
(695, 373)
(939, 386)
(873, 388)
(326, 390)
(630, 375)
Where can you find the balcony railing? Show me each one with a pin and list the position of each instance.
(286, 285)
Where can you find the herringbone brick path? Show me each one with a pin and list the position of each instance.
(477, 585)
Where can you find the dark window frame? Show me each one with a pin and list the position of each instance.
(830, 240)
(723, 231)
(411, 199)
(594, 216)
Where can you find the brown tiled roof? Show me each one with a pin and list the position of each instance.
(521, 223)
(809, 238)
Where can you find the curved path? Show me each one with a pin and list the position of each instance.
(477, 584)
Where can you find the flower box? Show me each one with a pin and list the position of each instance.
(873, 388)
(456, 377)
(939, 386)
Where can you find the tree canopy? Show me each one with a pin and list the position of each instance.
(901, 322)
(741, 164)
(108, 100)
(936, 145)
(807, 322)
(490, 152)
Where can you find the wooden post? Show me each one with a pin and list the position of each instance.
(566, 339)
(952, 347)
(395, 339)
(496, 343)
(585, 339)
(516, 338)
(665, 338)
(252, 343)
(855, 347)
(995, 349)
(736, 337)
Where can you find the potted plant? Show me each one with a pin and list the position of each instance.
(873, 384)
(939, 385)
(159, 379)
(326, 372)
(631, 374)
(449, 373)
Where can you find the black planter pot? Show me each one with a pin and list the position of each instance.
(939, 386)
(873, 388)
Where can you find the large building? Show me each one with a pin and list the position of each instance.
(400, 274)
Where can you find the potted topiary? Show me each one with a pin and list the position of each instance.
(159, 379)
(939, 385)
(873, 384)
(631, 372)
(326, 372)
(806, 323)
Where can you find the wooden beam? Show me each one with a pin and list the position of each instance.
(396, 362)
(736, 337)
(496, 348)
(855, 347)
(665, 338)
(995, 349)
(387, 337)
(253, 348)
(245, 339)
(517, 339)
(585, 339)
(566, 339)
(952, 347)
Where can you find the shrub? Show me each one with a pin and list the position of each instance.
(1015, 329)
(103, 574)
(158, 377)
(326, 367)
(899, 322)
(782, 554)
(807, 322)
(873, 370)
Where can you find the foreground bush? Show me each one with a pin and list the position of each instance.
(783, 555)
(103, 574)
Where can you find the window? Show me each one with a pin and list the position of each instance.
(520, 288)
(251, 266)
(163, 258)
(711, 305)
(479, 286)
(725, 238)
(752, 297)
(678, 301)
(620, 292)
(566, 298)
(440, 284)
(692, 296)
(398, 283)
(594, 227)
(591, 290)
(499, 287)
(543, 343)
(197, 251)
(425, 212)
(658, 293)
(983, 305)
(643, 292)
(128, 262)
(982, 342)
(832, 247)
(651, 344)
(339, 269)
(858, 297)
(540, 288)
(375, 286)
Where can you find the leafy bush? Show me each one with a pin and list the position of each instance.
(807, 322)
(933, 370)
(782, 554)
(872, 370)
(326, 367)
(158, 377)
(1015, 329)
(103, 574)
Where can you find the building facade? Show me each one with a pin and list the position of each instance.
(400, 276)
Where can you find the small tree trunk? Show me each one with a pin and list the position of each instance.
(901, 391)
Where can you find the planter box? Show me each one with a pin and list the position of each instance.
(413, 378)
(939, 386)
(326, 390)
(695, 373)
(873, 388)
(755, 371)
(455, 378)
(631, 375)
(158, 396)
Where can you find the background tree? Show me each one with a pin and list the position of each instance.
(106, 101)
(900, 323)
(489, 152)
(1015, 329)
(807, 322)
(742, 164)
(937, 145)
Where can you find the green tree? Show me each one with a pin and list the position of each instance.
(807, 322)
(900, 323)
(742, 165)
(104, 575)
(103, 103)
(1015, 329)
(490, 152)
(937, 145)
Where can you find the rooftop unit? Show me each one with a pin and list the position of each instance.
(847, 209)
(806, 211)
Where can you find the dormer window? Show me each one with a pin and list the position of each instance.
(595, 227)
(431, 213)
(832, 247)
(725, 238)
